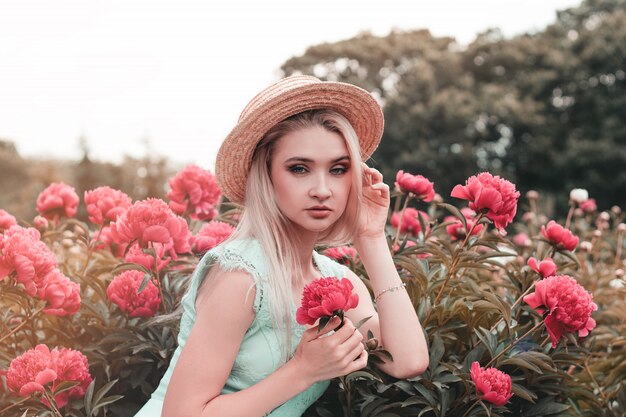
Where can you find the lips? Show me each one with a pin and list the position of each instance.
(319, 212)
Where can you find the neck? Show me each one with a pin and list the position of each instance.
(304, 253)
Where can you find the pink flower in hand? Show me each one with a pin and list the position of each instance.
(326, 297)
(104, 204)
(57, 200)
(491, 194)
(492, 384)
(545, 268)
(194, 191)
(559, 236)
(123, 292)
(568, 306)
(416, 184)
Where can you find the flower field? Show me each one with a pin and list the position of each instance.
(525, 315)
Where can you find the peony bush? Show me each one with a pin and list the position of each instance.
(524, 313)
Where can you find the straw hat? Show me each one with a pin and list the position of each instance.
(285, 98)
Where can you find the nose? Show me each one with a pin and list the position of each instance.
(320, 188)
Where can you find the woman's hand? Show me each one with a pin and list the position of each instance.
(375, 205)
(321, 357)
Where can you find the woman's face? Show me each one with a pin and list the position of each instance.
(310, 172)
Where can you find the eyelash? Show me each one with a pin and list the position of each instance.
(300, 169)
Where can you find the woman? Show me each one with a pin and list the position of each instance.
(294, 161)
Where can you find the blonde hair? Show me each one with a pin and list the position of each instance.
(262, 219)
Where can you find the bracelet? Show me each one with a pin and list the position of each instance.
(390, 289)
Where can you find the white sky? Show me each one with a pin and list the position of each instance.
(179, 72)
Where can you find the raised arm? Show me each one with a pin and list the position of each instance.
(396, 324)
(223, 316)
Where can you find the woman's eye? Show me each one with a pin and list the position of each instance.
(297, 169)
(339, 170)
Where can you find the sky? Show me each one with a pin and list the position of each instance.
(171, 77)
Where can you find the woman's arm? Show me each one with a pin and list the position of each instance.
(223, 317)
(396, 324)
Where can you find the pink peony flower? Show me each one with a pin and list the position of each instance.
(6, 220)
(456, 229)
(341, 254)
(410, 220)
(39, 366)
(492, 384)
(57, 200)
(211, 235)
(108, 238)
(29, 372)
(26, 257)
(326, 297)
(568, 305)
(61, 293)
(493, 195)
(522, 240)
(136, 255)
(123, 292)
(559, 236)
(104, 204)
(416, 184)
(72, 365)
(194, 191)
(545, 268)
(588, 206)
(151, 221)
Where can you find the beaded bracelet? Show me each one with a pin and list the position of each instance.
(390, 289)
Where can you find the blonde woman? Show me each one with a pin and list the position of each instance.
(294, 162)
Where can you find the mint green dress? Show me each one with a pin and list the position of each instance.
(259, 352)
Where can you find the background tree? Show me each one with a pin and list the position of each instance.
(545, 110)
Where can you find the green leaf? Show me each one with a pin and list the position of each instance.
(455, 212)
(437, 350)
(523, 392)
(129, 266)
(144, 283)
(362, 321)
(546, 407)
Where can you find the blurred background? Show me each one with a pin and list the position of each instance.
(125, 93)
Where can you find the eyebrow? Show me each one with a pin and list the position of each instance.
(309, 160)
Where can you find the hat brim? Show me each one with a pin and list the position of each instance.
(355, 104)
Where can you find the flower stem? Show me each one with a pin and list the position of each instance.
(157, 279)
(22, 324)
(52, 403)
(470, 409)
(10, 406)
(512, 345)
(395, 240)
(569, 214)
(455, 261)
(520, 298)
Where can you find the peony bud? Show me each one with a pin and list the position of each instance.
(40, 223)
(617, 210)
(578, 195)
(586, 246)
(532, 195)
(621, 227)
(619, 272)
(604, 216)
(597, 233)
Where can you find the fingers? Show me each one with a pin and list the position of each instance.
(371, 175)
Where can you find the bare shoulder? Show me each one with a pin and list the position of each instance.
(224, 312)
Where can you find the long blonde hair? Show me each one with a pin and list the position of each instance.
(262, 219)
